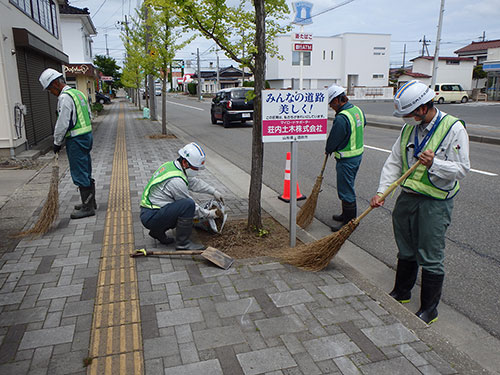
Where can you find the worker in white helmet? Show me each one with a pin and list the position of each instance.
(73, 125)
(423, 209)
(166, 202)
(346, 142)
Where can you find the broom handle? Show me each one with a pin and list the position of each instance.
(389, 190)
(324, 165)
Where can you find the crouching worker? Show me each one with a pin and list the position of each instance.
(167, 204)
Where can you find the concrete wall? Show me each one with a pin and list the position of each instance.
(10, 92)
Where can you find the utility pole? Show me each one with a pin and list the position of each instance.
(425, 43)
(107, 50)
(199, 74)
(217, 88)
(150, 78)
(404, 56)
(483, 38)
(438, 41)
(243, 58)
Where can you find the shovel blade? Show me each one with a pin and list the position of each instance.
(217, 257)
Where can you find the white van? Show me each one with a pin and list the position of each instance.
(450, 92)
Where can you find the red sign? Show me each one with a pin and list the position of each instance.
(302, 47)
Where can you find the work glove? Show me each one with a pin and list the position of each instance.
(218, 196)
(56, 148)
(212, 214)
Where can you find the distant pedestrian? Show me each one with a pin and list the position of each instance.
(73, 125)
(167, 204)
(346, 142)
(423, 210)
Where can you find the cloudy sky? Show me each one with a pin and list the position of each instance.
(406, 20)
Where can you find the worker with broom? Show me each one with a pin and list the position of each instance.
(422, 212)
(346, 142)
(167, 204)
(73, 125)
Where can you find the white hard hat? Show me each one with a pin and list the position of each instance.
(194, 154)
(334, 91)
(47, 76)
(410, 96)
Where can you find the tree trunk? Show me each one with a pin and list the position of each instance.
(254, 196)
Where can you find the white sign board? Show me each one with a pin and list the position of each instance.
(294, 115)
(302, 36)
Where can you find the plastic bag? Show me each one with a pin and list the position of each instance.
(212, 225)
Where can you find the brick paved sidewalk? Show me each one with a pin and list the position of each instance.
(258, 317)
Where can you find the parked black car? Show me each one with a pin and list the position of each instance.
(101, 98)
(231, 105)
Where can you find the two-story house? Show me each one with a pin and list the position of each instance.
(77, 30)
(30, 42)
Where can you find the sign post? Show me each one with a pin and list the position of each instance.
(294, 116)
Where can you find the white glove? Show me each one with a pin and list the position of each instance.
(218, 196)
(212, 214)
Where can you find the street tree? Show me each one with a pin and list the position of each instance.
(108, 67)
(235, 29)
(166, 39)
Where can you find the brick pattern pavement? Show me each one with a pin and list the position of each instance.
(258, 317)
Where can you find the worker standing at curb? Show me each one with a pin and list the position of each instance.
(73, 125)
(167, 204)
(422, 212)
(346, 142)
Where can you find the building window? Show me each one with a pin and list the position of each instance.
(43, 12)
(296, 58)
(331, 55)
(379, 51)
(324, 54)
(452, 62)
(377, 76)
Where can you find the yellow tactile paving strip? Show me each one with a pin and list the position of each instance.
(116, 340)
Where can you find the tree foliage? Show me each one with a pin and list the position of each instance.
(109, 67)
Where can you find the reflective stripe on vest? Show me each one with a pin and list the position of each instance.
(83, 124)
(419, 180)
(165, 172)
(355, 145)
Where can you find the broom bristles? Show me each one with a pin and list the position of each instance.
(306, 212)
(50, 210)
(317, 255)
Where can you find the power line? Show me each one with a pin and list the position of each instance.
(104, 2)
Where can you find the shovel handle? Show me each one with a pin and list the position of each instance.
(389, 190)
(144, 252)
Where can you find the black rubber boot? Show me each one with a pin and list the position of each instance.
(341, 216)
(161, 237)
(183, 232)
(349, 212)
(92, 185)
(430, 294)
(406, 275)
(87, 208)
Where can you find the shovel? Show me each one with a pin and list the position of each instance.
(211, 254)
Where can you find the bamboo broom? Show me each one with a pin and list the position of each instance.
(306, 213)
(317, 255)
(50, 210)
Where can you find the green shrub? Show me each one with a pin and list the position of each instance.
(97, 107)
(192, 88)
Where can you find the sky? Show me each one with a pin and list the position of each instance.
(408, 21)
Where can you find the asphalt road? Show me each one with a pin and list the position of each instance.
(472, 256)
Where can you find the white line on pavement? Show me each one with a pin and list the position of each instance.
(184, 105)
(472, 170)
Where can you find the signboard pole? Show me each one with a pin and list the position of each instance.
(293, 194)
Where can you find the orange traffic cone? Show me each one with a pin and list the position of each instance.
(286, 184)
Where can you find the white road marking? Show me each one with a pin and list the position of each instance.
(184, 105)
(472, 170)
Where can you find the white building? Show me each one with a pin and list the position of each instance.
(450, 70)
(357, 61)
(30, 42)
(492, 66)
(77, 30)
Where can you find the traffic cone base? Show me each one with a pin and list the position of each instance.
(285, 197)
